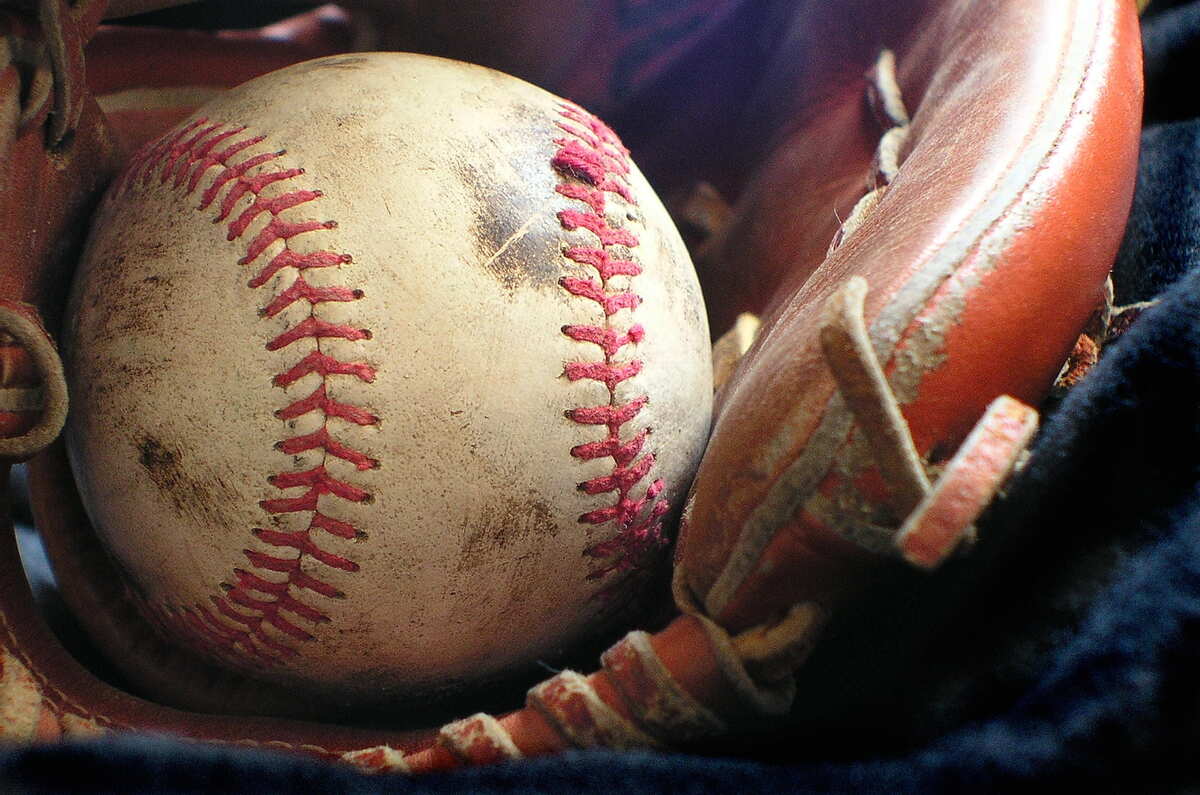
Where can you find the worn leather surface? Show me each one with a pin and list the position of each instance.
(47, 196)
(984, 259)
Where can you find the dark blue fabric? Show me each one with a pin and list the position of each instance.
(1065, 651)
(1160, 245)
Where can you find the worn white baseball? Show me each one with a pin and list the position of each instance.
(387, 373)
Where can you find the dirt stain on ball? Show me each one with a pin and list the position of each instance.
(510, 234)
(509, 523)
(192, 493)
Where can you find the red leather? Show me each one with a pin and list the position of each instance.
(1005, 216)
(47, 197)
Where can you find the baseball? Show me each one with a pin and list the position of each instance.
(388, 374)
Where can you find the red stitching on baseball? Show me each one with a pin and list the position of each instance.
(291, 259)
(324, 365)
(302, 290)
(321, 439)
(235, 625)
(320, 401)
(596, 164)
(274, 206)
(612, 303)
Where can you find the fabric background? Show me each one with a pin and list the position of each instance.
(1064, 651)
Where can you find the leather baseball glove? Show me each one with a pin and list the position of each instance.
(903, 215)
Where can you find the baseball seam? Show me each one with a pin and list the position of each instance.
(235, 626)
(594, 166)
